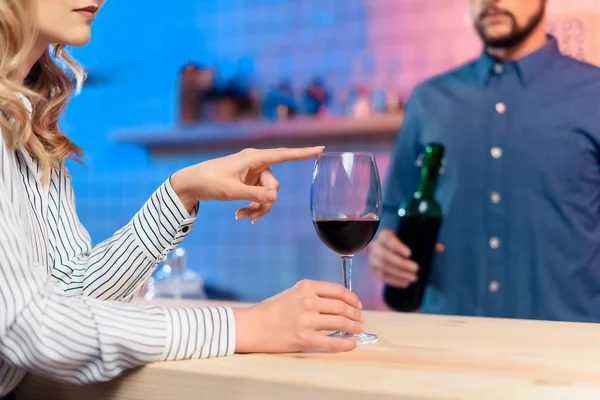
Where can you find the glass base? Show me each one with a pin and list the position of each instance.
(363, 338)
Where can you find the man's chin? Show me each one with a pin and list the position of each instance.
(497, 34)
(499, 39)
(501, 42)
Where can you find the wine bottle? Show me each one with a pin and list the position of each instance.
(418, 228)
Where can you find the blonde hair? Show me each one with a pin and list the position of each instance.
(47, 86)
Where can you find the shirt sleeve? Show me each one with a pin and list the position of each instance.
(80, 339)
(403, 173)
(116, 268)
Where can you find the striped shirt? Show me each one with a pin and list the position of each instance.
(64, 306)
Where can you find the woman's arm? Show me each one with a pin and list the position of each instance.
(81, 340)
(117, 267)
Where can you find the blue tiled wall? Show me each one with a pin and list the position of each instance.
(138, 50)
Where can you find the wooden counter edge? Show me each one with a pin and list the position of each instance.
(141, 384)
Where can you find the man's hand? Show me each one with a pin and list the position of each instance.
(389, 260)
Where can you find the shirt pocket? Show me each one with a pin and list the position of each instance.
(554, 156)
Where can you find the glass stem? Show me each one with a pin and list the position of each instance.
(347, 269)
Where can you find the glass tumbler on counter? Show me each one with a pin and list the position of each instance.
(173, 279)
(345, 203)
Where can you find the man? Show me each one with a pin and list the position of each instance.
(520, 191)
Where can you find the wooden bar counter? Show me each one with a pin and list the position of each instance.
(418, 357)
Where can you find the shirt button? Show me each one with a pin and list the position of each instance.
(496, 152)
(495, 197)
(494, 242)
(494, 286)
(500, 108)
(498, 68)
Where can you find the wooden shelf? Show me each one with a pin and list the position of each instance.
(208, 138)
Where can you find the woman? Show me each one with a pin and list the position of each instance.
(63, 304)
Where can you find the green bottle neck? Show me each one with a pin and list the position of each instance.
(429, 176)
(426, 190)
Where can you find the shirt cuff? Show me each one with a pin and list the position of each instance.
(200, 333)
(163, 222)
(177, 202)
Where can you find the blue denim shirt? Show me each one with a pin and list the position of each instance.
(520, 191)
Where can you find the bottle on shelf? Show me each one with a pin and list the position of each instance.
(394, 102)
(418, 228)
(363, 103)
(316, 98)
(280, 103)
(195, 81)
(360, 99)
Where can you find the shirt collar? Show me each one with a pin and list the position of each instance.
(528, 68)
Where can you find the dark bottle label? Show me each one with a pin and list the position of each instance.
(420, 234)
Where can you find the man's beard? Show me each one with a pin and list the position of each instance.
(517, 34)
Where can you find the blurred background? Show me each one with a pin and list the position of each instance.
(173, 85)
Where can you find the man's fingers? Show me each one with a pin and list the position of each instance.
(394, 261)
(400, 274)
(392, 276)
(395, 282)
(388, 239)
(370, 216)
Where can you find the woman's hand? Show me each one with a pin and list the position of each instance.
(242, 176)
(293, 320)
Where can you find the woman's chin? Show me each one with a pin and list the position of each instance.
(78, 38)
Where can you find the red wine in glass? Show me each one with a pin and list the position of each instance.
(345, 203)
(346, 236)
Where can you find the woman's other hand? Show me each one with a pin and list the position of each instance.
(293, 320)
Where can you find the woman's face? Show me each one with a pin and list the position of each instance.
(66, 22)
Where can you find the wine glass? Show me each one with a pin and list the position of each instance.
(345, 203)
